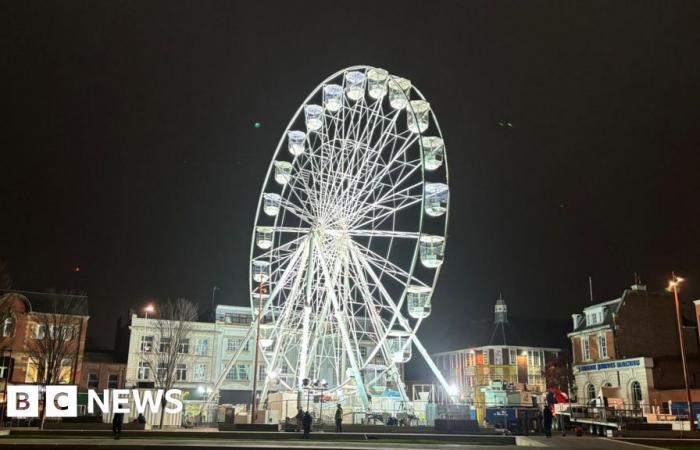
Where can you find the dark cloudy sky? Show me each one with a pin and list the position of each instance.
(127, 146)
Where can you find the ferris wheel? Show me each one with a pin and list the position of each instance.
(349, 237)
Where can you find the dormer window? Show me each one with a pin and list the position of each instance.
(594, 317)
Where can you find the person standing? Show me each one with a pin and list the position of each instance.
(117, 422)
(547, 421)
(339, 419)
(306, 422)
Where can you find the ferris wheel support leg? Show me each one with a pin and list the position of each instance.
(306, 319)
(284, 317)
(344, 332)
(404, 323)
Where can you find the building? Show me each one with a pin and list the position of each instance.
(102, 370)
(208, 350)
(626, 352)
(28, 315)
(497, 375)
(35, 320)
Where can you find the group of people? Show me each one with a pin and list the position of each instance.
(304, 421)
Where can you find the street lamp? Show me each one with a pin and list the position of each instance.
(147, 309)
(673, 287)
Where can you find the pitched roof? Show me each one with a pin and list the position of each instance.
(50, 302)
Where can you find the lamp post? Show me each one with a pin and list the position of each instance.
(146, 309)
(673, 287)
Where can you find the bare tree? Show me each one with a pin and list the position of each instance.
(173, 327)
(6, 306)
(54, 341)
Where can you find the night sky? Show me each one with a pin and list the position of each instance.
(128, 145)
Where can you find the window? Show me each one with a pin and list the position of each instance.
(181, 372)
(144, 371)
(202, 347)
(233, 344)
(61, 332)
(498, 356)
(66, 372)
(92, 381)
(513, 357)
(586, 348)
(238, 373)
(602, 346)
(161, 371)
(237, 318)
(636, 394)
(113, 381)
(486, 357)
(184, 346)
(146, 343)
(262, 372)
(164, 345)
(8, 328)
(200, 372)
(591, 392)
(40, 331)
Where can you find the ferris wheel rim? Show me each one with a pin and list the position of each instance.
(280, 148)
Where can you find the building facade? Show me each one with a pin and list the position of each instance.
(497, 375)
(626, 351)
(30, 319)
(102, 370)
(209, 348)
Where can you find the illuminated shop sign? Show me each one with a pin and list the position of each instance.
(622, 364)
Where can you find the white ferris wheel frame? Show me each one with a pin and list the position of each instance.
(299, 265)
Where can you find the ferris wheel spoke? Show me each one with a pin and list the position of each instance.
(382, 263)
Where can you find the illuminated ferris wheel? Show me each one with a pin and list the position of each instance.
(349, 236)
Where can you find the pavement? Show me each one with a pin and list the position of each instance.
(159, 443)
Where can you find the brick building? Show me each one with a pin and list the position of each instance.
(627, 349)
(102, 370)
(28, 313)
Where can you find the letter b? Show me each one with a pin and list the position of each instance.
(23, 400)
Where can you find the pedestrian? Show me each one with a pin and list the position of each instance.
(299, 417)
(339, 419)
(306, 422)
(547, 421)
(117, 422)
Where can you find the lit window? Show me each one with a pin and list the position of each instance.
(586, 348)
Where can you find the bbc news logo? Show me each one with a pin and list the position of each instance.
(62, 401)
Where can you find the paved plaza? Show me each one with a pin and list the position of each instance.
(157, 443)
